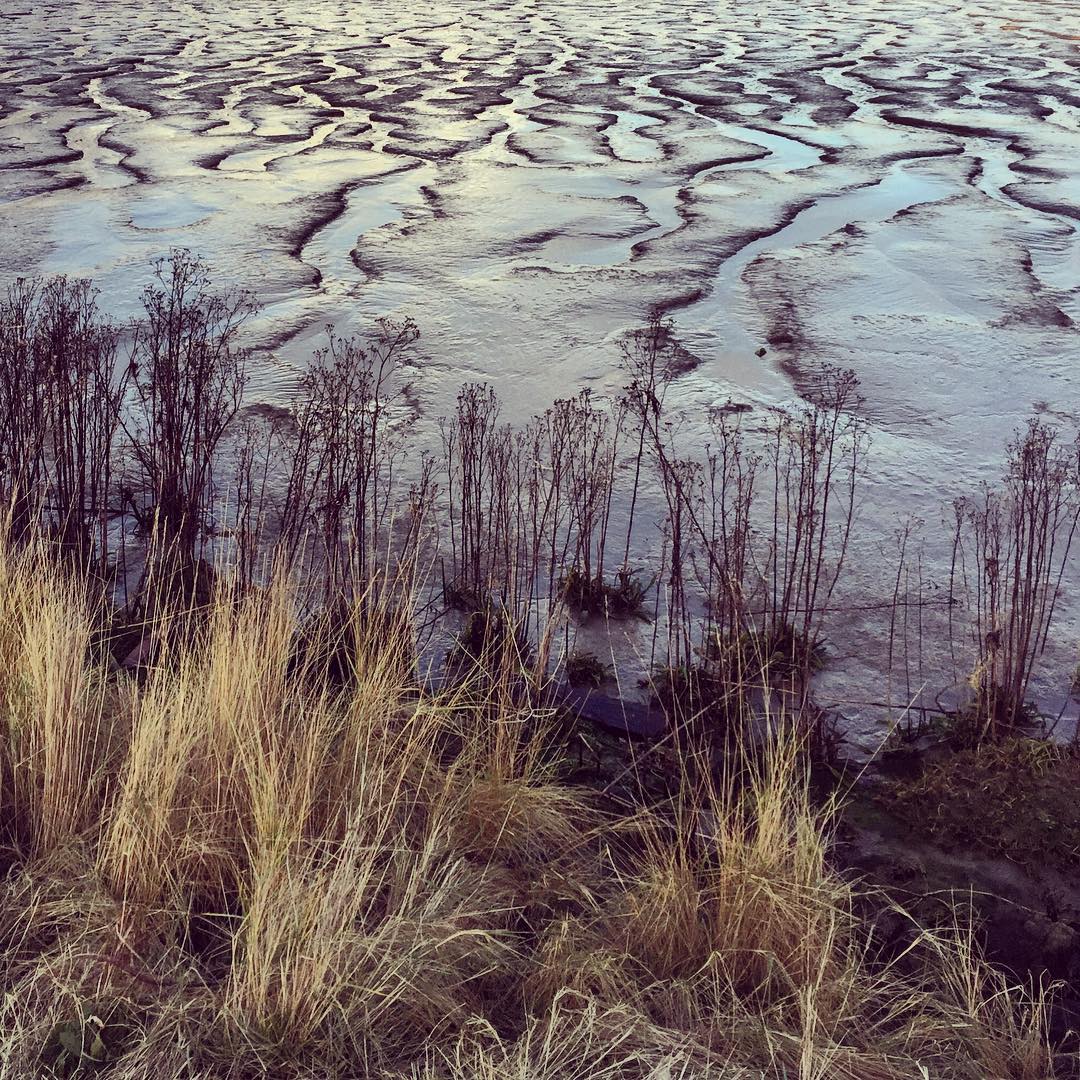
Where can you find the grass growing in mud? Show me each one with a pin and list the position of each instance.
(1015, 798)
(234, 867)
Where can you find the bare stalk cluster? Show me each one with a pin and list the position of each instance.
(1011, 547)
(114, 438)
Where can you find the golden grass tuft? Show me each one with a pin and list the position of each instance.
(55, 738)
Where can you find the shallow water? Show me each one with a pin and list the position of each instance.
(891, 186)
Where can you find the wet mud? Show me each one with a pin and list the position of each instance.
(889, 186)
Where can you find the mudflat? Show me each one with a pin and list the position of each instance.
(892, 187)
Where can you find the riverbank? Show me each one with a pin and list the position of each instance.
(245, 860)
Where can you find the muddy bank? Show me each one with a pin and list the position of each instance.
(990, 833)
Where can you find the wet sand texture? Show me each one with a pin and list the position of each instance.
(890, 185)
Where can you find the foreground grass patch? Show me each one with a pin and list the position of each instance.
(240, 866)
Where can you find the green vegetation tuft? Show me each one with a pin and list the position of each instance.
(1015, 798)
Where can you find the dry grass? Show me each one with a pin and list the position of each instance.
(55, 736)
(237, 867)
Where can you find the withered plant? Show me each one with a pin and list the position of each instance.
(187, 376)
(342, 452)
(763, 525)
(60, 401)
(1011, 547)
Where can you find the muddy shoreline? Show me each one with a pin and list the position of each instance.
(894, 190)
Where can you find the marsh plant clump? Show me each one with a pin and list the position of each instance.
(625, 597)
(1011, 549)
(586, 669)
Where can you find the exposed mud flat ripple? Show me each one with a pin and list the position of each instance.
(892, 186)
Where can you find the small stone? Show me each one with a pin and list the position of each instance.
(1060, 939)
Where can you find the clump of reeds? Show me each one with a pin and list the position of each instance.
(1012, 546)
(342, 451)
(60, 403)
(186, 380)
(757, 530)
(130, 447)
